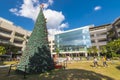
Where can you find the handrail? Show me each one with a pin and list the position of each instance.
(15, 65)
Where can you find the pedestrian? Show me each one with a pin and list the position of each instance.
(95, 62)
(104, 61)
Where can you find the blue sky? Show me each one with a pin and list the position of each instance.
(60, 14)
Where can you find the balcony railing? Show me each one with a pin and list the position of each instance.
(19, 45)
(4, 41)
(5, 34)
(99, 37)
(99, 43)
(19, 38)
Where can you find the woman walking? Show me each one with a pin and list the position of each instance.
(104, 61)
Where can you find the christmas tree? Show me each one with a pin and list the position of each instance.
(36, 56)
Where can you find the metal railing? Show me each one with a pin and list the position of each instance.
(64, 65)
(15, 65)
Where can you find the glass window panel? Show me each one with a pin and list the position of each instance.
(75, 40)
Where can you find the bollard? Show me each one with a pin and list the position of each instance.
(65, 64)
(9, 70)
(25, 72)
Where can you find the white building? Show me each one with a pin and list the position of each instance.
(99, 35)
(51, 44)
(10, 33)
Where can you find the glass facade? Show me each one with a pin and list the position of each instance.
(73, 40)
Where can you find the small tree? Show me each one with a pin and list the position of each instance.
(94, 50)
(89, 51)
(113, 47)
(103, 50)
(57, 51)
(2, 50)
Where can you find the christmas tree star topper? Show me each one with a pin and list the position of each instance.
(42, 6)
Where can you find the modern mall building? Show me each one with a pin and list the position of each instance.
(74, 41)
(77, 40)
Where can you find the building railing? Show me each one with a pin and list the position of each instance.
(99, 43)
(5, 25)
(63, 64)
(4, 41)
(19, 38)
(15, 65)
(19, 45)
(5, 34)
(99, 37)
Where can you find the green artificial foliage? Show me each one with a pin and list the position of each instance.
(36, 56)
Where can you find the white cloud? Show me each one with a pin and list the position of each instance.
(27, 9)
(54, 18)
(50, 2)
(54, 31)
(13, 10)
(97, 8)
(30, 9)
(54, 24)
(64, 25)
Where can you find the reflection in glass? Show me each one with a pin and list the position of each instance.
(73, 40)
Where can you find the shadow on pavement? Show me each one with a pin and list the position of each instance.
(118, 67)
(75, 74)
(68, 74)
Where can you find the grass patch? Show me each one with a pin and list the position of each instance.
(81, 70)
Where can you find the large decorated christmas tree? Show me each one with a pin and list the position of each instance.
(36, 56)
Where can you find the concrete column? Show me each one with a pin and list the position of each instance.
(86, 54)
(12, 36)
(24, 42)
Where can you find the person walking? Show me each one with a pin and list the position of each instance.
(95, 62)
(104, 61)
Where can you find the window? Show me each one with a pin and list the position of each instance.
(102, 40)
(93, 41)
(92, 35)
